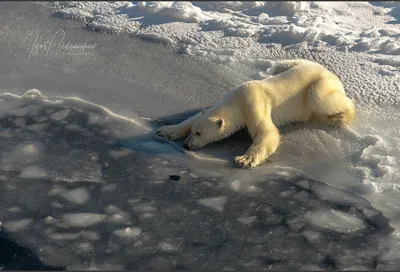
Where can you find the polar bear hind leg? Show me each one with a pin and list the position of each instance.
(329, 103)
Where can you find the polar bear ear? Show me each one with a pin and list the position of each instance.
(203, 110)
(220, 123)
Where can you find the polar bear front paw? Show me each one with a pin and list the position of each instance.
(169, 132)
(248, 160)
(336, 120)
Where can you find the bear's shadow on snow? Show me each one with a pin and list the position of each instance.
(239, 142)
(241, 138)
(143, 189)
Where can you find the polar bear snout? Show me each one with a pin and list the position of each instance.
(190, 144)
(186, 146)
(193, 142)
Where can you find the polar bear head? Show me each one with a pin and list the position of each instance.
(205, 130)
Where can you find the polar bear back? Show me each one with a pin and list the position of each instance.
(286, 92)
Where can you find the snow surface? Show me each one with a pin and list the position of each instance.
(81, 194)
(232, 32)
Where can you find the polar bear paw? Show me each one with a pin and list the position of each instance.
(249, 160)
(336, 120)
(172, 132)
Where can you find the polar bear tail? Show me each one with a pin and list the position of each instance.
(281, 66)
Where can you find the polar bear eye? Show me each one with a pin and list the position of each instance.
(198, 133)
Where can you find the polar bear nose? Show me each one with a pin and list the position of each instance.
(186, 146)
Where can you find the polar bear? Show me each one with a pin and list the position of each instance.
(299, 90)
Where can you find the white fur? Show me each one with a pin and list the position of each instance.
(300, 90)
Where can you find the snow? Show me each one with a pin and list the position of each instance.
(86, 185)
(197, 27)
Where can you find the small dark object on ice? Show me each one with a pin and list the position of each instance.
(174, 177)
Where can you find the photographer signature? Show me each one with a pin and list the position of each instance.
(55, 43)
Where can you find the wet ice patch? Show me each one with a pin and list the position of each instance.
(85, 248)
(30, 110)
(246, 220)
(111, 209)
(169, 245)
(128, 233)
(284, 173)
(64, 236)
(337, 196)
(90, 235)
(296, 224)
(75, 167)
(33, 172)
(57, 189)
(144, 207)
(154, 146)
(50, 220)
(19, 122)
(302, 196)
(60, 115)
(82, 220)
(390, 259)
(304, 184)
(243, 186)
(73, 127)
(23, 154)
(335, 220)
(77, 196)
(119, 217)
(17, 225)
(216, 203)
(36, 127)
(14, 209)
(97, 119)
(109, 187)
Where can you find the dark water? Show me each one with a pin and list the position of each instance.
(15, 257)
